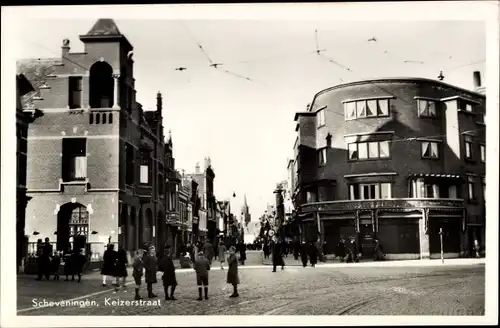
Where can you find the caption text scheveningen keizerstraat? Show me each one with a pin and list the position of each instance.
(108, 301)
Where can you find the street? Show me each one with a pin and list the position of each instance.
(327, 290)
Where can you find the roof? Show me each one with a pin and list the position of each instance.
(398, 79)
(104, 27)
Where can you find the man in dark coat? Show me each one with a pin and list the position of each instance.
(121, 268)
(108, 263)
(303, 254)
(341, 249)
(277, 253)
(243, 253)
(352, 250)
(39, 259)
(150, 266)
(46, 258)
(313, 254)
(208, 251)
(138, 268)
(296, 250)
(56, 263)
(166, 265)
(265, 249)
(78, 262)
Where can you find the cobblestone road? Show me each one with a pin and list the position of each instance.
(306, 291)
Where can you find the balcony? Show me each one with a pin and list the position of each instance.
(374, 204)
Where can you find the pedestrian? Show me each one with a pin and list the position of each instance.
(296, 250)
(138, 268)
(108, 263)
(325, 250)
(121, 269)
(313, 254)
(56, 263)
(48, 250)
(232, 272)
(341, 249)
(166, 265)
(208, 251)
(243, 253)
(352, 250)
(39, 259)
(78, 262)
(378, 253)
(265, 249)
(303, 254)
(150, 266)
(68, 265)
(222, 254)
(477, 248)
(277, 252)
(202, 266)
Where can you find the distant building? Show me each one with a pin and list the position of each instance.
(396, 159)
(245, 212)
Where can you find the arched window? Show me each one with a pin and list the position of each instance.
(101, 85)
(91, 118)
(97, 118)
(110, 121)
(104, 118)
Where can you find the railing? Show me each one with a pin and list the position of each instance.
(342, 205)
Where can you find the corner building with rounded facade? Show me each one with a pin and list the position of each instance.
(398, 159)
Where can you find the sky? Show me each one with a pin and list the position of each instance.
(247, 127)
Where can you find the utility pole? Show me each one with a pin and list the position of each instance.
(441, 238)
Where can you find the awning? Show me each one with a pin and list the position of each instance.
(435, 175)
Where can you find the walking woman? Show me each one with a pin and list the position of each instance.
(313, 254)
(303, 254)
(232, 272)
(166, 266)
(222, 254)
(243, 253)
(150, 263)
(121, 269)
(109, 262)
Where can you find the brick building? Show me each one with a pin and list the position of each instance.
(396, 159)
(96, 168)
(23, 87)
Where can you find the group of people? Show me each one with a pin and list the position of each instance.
(146, 264)
(49, 261)
(348, 251)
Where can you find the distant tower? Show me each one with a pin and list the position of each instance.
(245, 211)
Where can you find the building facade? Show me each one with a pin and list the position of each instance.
(173, 182)
(397, 159)
(95, 168)
(23, 87)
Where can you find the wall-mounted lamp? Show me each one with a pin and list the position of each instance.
(94, 232)
(234, 194)
(35, 233)
(55, 232)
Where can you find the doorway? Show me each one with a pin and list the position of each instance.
(366, 240)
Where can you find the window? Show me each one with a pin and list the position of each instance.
(364, 191)
(74, 166)
(470, 187)
(452, 192)
(483, 183)
(430, 149)
(75, 92)
(110, 121)
(310, 197)
(483, 153)
(469, 140)
(366, 108)
(104, 118)
(160, 184)
(468, 108)
(91, 118)
(144, 167)
(322, 156)
(144, 174)
(320, 118)
(426, 108)
(369, 150)
(97, 118)
(129, 169)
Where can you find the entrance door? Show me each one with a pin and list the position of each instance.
(366, 239)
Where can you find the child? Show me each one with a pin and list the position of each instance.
(166, 265)
(138, 267)
(202, 266)
(56, 263)
(150, 263)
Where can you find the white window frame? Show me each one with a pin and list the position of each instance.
(483, 153)
(427, 111)
(366, 145)
(431, 145)
(320, 118)
(382, 108)
(468, 144)
(322, 156)
(469, 108)
(471, 188)
(144, 174)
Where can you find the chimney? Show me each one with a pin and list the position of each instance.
(159, 106)
(477, 79)
(197, 168)
(65, 48)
